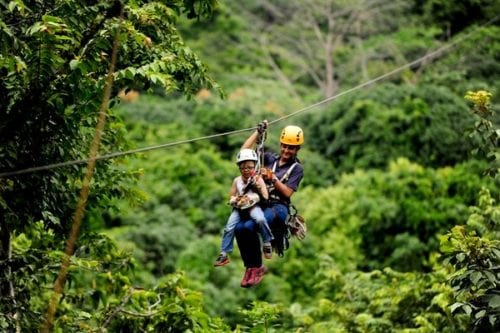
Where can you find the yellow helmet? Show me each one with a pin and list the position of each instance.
(292, 135)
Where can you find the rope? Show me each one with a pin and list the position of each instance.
(260, 148)
(435, 53)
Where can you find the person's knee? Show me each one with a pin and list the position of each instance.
(242, 228)
(275, 222)
(261, 222)
(238, 229)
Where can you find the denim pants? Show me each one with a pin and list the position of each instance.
(247, 235)
(257, 215)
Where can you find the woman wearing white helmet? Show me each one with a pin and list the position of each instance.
(245, 193)
(282, 174)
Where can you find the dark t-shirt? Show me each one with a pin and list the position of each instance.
(294, 177)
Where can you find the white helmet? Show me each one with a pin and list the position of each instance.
(246, 155)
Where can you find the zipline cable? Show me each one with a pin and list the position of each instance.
(435, 53)
(118, 154)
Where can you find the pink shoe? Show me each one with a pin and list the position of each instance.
(245, 283)
(257, 276)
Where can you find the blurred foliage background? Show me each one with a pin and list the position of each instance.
(403, 219)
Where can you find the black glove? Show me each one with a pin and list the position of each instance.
(262, 127)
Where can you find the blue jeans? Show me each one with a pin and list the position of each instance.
(247, 234)
(257, 215)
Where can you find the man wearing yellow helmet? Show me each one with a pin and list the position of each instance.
(282, 174)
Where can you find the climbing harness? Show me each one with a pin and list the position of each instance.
(246, 200)
(283, 179)
(296, 224)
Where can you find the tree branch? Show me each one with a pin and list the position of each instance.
(117, 309)
(277, 70)
(120, 308)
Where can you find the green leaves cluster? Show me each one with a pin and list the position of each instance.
(387, 300)
(392, 217)
(484, 134)
(260, 316)
(54, 57)
(424, 124)
(101, 294)
(476, 260)
(387, 170)
(474, 250)
(53, 71)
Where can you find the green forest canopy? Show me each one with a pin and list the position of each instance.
(388, 170)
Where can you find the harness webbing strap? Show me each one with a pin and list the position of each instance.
(285, 177)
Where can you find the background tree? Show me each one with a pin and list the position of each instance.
(457, 16)
(473, 250)
(53, 61)
(402, 177)
(404, 204)
(332, 44)
(424, 124)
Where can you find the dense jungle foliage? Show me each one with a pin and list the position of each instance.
(400, 189)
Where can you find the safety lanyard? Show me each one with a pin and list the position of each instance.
(260, 151)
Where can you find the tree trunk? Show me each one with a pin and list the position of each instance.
(6, 282)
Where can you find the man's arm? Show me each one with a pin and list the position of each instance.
(250, 142)
(252, 139)
(282, 188)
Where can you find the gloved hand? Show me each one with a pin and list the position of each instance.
(242, 201)
(266, 173)
(233, 200)
(262, 126)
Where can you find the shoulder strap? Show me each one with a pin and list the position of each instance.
(285, 177)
